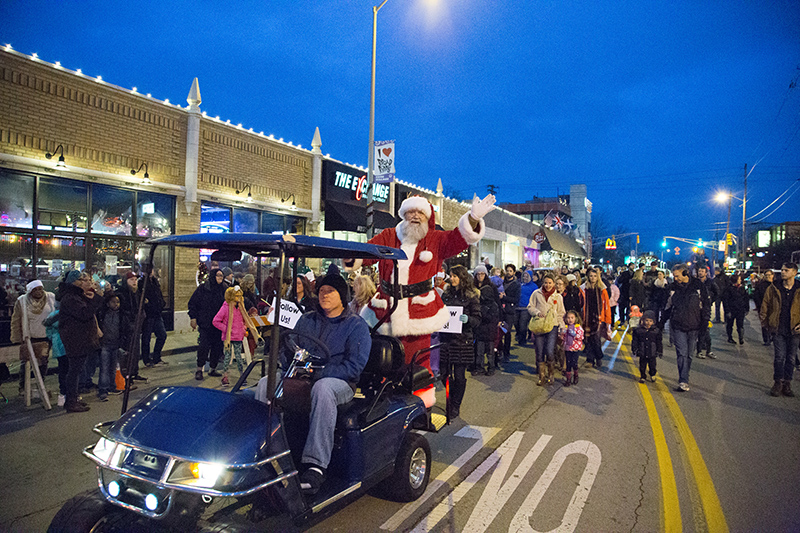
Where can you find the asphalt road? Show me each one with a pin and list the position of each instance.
(609, 454)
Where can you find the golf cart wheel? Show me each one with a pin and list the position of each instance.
(90, 512)
(412, 469)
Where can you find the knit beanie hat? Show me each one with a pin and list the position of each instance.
(227, 271)
(72, 277)
(479, 269)
(649, 314)
(337, 282)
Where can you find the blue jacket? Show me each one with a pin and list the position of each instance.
(51, 325)
(525, 293)
(347, 338)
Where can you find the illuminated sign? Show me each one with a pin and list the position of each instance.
(762, 238)
(380, 191)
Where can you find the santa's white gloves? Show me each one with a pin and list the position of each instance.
(481, 207)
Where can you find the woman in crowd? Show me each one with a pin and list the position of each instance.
(457, 351)
(486, 332)
(736, 303)
(248, 285)
(544, 300)
(573, 295)
(203, 306)
(596, 317)
(363, 291)
(27, 322)
(303, 294)
(659, 294)
(523, 316)
(637, 290)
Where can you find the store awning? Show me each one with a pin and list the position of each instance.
(559, 242)
(345, 217)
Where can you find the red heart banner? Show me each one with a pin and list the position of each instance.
(387, 151)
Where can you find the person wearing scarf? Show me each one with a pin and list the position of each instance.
(542, 300)
(596, 317)
(27, 322)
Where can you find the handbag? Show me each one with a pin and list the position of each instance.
(539, 325)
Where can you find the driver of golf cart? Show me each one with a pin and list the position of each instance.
(348, 340)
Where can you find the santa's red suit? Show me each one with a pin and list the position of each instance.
(418, 316)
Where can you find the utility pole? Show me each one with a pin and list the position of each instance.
(744, 218)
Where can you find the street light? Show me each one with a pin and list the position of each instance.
(370, 177)
(721, 198)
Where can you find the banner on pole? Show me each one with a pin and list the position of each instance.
(384, 161)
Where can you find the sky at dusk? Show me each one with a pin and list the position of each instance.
(656, 106)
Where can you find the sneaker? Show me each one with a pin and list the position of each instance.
(641, 380)
(214, 373)
(311, 480)
(653, 379)
(116, 392)
(701, 355)
(682, 387)
(711, 355)
(61, 400)
(225, 381)
(161, 362)
(198, 375)
(102, 397)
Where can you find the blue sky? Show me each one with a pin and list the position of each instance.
(655, 106)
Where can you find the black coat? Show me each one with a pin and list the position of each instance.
(77, 324)
(735, 300)
(647, 343)
(206, 302)
(490, 313)
(688, 307)
(512, 288)
(457, 348)
(154, 299)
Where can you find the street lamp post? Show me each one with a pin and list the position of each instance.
(370, 177)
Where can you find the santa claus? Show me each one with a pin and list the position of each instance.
(420, 310)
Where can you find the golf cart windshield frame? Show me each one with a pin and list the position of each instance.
(265, 245)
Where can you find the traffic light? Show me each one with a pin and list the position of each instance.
(664, 244)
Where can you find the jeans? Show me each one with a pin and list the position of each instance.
(704, 340)
(523, 318)
(484, 348)
(88, 369)
(326, 395)
(685, 346)
(209, 347)
(717, 307)
(74, 369)
(546, 346)
(785, 347)
(505, 338)
(108, 370)
(150, 326)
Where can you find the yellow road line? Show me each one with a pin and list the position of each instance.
(712, 507)
(670, 508)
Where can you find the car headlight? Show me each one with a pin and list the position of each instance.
(103, 449)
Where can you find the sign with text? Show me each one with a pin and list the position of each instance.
(289, 315)
(346, 184)
(539, 237)
(384, 161)
(454, 324)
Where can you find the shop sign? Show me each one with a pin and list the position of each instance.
(345, 184)
(539, 237)
(611, 244)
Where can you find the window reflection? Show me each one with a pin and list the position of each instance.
(58, 254)
(62, 206)
(112, 210)
(155, 213)
(16, 203)
(214, 219)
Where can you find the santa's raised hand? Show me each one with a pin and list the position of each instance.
(481, 207)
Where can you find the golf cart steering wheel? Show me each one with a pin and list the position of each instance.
(313, 339)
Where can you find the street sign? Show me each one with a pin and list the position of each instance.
(677, 251)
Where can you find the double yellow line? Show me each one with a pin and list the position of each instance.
(671, 511)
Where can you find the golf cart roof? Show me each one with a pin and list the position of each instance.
(268, 245)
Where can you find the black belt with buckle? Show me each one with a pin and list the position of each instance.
(407, 291)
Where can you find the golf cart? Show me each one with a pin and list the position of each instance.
(200, 459)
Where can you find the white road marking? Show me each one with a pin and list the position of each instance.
(497, 493)
(482, 435)
(521, 521)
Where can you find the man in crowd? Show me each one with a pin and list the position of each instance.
(688, 310)
(511, 291)
(721, 283)
(704, 339)
(624, 284)
(780, 313)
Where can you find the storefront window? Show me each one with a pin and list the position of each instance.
(214, 219)
(16, 270)
(16, 204)
(162, 266)
(111, 259)
(245, 221)
(155, 213)
(58, 254)
(112, 210)
(62, 206)
(279, 224)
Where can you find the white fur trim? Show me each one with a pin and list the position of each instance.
(414, 202)
(378, 302)
(425, 256)
(424, 299)
(356, 265)
(400, 324)
(470, 235)
(404, 265)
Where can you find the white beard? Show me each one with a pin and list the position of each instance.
(411, 233)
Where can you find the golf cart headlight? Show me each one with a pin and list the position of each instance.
(103, 449)
(206, 474)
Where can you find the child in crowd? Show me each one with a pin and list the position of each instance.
(113, 327)
(646, 345)
(572, 337)
(233, 321)
(58, 351)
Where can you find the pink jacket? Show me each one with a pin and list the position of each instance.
(221, 323)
